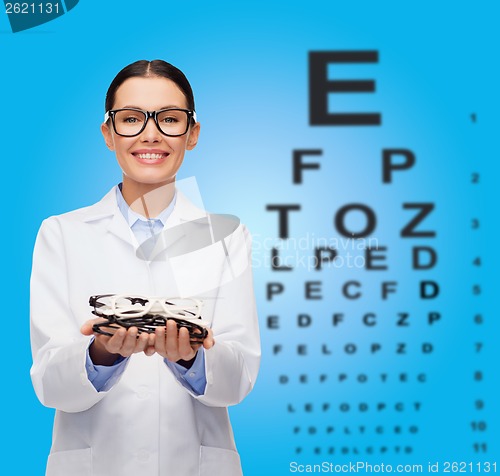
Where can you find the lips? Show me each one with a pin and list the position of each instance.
(150, 156)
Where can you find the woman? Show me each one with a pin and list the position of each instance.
(130, 403)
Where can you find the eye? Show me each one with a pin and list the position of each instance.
(170, 119)
(131, 118)
(126, 116)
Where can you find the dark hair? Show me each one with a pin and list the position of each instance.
(148, 69)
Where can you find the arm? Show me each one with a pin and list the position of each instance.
(103, 376)
(232, 347)
(192, 374)
(59, 350)
(232, 363)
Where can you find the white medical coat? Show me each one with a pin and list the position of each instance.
(146, 421)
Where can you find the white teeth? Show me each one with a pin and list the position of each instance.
(150, 156)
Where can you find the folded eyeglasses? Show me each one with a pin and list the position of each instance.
(148, 313)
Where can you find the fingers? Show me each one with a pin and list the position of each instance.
(167, 341)
(171, 345)
(174, 344)
(160, 344)
(86, 328)
(186, 350)
(115, 343)
(177, 345)
(209, 341)
(128, 341)
(150, 346)
(135, 342)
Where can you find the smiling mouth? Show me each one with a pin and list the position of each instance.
(150, 156)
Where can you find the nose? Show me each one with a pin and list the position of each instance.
(150, 132)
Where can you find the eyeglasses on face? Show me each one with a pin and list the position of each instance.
(130, 122)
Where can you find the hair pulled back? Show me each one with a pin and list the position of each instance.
(149, 69)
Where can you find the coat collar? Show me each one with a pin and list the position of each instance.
(184, 210)
(107, 207)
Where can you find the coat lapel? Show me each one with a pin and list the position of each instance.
(185, 223)
(107, 210)
(187, 228)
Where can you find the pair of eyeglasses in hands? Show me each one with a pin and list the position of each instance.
(148, 313)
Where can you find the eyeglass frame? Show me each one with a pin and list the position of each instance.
(150, 114)
(148, 303)
(147, 322)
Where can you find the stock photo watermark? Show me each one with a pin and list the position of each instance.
(26, 15)
(313, 253)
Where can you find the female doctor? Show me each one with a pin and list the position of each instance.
(142, 404)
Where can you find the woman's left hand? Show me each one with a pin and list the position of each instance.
(174, 345)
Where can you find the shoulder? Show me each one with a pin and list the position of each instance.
(55, 227)
(104, 207)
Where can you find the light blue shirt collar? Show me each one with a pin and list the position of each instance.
(132, 216)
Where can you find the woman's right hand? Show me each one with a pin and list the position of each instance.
(125, 342)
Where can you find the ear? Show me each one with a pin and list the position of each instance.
(108, 136)
(194, 133)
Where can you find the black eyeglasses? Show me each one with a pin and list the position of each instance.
(148, 313)
(130, 122)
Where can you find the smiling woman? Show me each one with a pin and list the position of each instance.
(150, 152)
(152, 399)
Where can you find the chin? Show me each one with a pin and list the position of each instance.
(151, 179)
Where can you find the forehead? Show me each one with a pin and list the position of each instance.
(149, 93)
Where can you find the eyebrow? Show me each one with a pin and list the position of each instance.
(172, 106)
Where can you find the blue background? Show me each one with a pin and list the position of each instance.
(248, 65)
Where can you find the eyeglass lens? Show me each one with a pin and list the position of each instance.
(129, 122)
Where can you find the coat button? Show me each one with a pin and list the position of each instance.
(143, 392)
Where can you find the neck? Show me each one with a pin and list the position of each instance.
(148, 200)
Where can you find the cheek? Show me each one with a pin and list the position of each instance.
(180, 144)
(122, 145)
